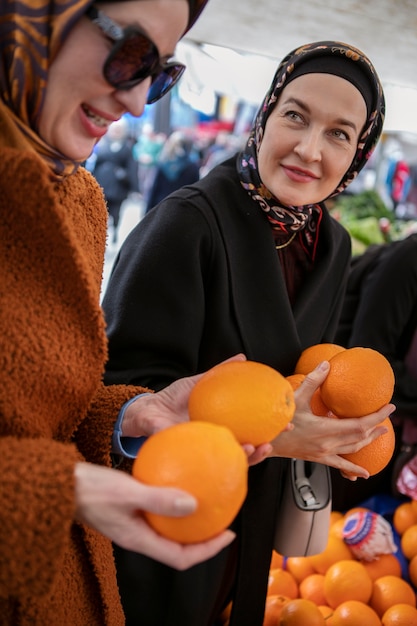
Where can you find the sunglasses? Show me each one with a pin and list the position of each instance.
(133, 58)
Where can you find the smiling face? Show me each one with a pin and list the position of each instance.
(79, 104)
(310, 138)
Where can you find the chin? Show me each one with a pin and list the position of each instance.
(298, 200)
(74, 145)
(79, 154)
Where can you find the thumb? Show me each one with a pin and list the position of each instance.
(167, 501)
(314, 379)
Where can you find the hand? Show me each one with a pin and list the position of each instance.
(324, 439)
(165, 408)
(259, 454)
(112, 502)
(263, 451)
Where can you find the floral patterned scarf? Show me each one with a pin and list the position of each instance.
(289, 220)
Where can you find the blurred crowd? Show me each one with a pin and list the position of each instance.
(154, 164)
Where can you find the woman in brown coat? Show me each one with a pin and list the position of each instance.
(63, 80)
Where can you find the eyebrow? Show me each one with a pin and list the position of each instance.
(341, 120)
(144, 31)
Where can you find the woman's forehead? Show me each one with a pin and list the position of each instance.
(330, 89)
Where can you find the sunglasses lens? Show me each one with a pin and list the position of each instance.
(134, 58)
(131, 60)
(164, 81)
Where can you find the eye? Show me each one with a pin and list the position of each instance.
(293, 116)
(340, 134)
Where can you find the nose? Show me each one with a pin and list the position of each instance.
(309, 146)
(134, 100)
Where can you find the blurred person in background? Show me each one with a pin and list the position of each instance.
(225, 145)
(115, 169)
(249, 260)
(146, 151)
(176, 167)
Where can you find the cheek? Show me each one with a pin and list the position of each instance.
(340, 165)
(266, 156)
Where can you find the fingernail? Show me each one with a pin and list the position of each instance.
(323, 366)
(185, 505)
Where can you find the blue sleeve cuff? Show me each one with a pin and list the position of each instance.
(126, 446)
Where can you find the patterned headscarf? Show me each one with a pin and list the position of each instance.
(31, 34)
(315, 57)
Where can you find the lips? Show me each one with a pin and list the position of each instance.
(98, 120)
(299, 175)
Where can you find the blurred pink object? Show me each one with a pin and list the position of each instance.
(407, 479)
(368, 535)
(384, 225)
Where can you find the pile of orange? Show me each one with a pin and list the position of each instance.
(334, 588)
(252, 399)
(360, 382)
(345, 590)
(204, 460)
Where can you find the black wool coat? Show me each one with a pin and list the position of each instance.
(197, 281)
(380, 311)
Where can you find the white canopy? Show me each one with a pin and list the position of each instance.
(258, 33)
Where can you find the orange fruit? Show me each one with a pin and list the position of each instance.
(335, 550)
(204, 460)
(412, 571)
(347, 580)
(312, 588)
(377, 454)
(252, 399)
(390, 590)
(414, 505)
(400, 615)
(281, 582)
(326, 611)
(336, 529)
(336, 516)
(295, 380)
(354, 613)
(409, 542)
(405, 515)
(301, 612)
(317, 405)
(273, 609)
(277, 560)
(299, 567)
(360, 382)
(383, 565)
(312, 356)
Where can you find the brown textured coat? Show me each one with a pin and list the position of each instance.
(54, 409)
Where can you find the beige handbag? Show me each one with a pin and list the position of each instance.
(303, 518)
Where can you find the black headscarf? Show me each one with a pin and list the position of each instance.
(330, 57)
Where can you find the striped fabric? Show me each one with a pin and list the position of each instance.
(31, 33)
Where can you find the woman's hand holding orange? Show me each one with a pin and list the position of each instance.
(323, 439)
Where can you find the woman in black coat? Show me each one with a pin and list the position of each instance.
(249, 260)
